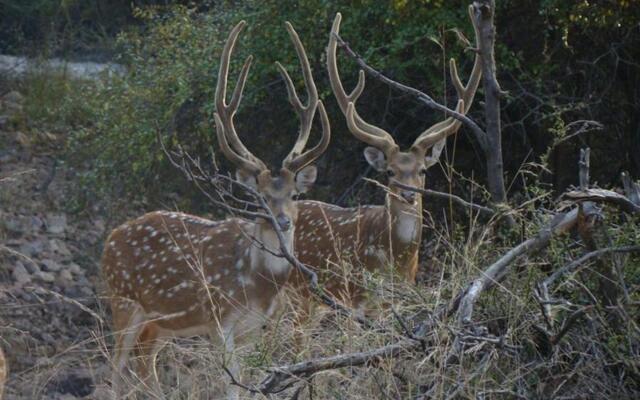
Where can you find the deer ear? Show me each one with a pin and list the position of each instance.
(246, 178)
(436, 150)
(375, 158)
(305, 178)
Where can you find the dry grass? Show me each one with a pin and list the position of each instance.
(510, 359)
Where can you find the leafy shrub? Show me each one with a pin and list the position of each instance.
(170, 82)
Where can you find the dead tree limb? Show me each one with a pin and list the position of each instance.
(590, 225)
(631, 188)
(283, 377)
(603, 196)
(575, 264)
(561, 223)
(483, 13)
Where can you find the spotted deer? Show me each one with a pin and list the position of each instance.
(376, 236)
(171, 274)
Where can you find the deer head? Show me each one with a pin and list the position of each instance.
(383, 154)
(296, 175)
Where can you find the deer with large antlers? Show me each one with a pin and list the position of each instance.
(171, 274)
(375, 236)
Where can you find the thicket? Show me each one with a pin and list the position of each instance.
(564, 64)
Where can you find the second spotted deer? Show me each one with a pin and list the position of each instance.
(377, 237)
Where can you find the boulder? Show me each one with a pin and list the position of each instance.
(20, 274)
(51, 265)
(45, 276)
(56, 223)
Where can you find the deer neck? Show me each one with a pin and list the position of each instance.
(265, 248)
(406, 232)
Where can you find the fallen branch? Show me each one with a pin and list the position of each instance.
(603, 196)
(561, 223)
(282, 378)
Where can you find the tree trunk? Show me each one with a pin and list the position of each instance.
(484, 13)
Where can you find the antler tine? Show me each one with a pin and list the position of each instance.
(305, 112)
(298, 162)
(466, 93)
(364, 131)
(440, 130)
(230, 143)
(240, 161)
(376, 141)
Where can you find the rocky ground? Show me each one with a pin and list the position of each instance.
(50, 313)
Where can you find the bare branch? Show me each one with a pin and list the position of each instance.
(575, 264)
(561, 223)
(602, 196)
(448, 196)
(419, 95)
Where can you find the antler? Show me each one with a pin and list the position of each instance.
(442, 129)
(364, 131)
(297, 160)
(230, 143)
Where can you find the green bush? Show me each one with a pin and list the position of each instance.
(172, 63)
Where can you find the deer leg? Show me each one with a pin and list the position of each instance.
(146, 351)
(125, 341)
(229, 359)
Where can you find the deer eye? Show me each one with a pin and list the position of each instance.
(390, 173)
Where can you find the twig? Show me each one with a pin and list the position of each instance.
(202, 177)
(573, 265)
(448, 196)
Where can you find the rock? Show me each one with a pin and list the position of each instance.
(75, 385)
(45, 276)
(36, 223)
(19, 224)
(31, 266)
(51, 265)
(33, 248)
(59, 247)
(75, 269)
(56, 223)
(100, 225)
(67, 397)
(65, 279)
(13, 97)
(20, 274)
(23, 139)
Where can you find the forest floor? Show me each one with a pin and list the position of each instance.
(50, 311)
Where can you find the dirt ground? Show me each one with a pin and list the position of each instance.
(50, 314)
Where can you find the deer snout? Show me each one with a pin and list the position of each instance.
(284, 222)
(408, 196)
